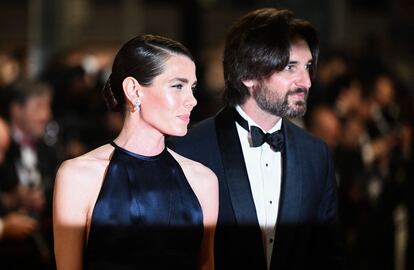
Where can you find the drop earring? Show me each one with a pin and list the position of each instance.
(137, 105)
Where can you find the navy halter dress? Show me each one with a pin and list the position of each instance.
(146, 216)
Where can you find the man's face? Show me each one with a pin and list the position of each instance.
(284, 93)
(33, 116)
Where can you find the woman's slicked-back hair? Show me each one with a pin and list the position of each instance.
(258, 44)
(143, 58)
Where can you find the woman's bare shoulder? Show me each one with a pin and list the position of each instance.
(77, 186)
(86, 166)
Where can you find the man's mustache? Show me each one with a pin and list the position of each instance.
(298, 91)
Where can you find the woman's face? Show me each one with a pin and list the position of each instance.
(167, 103)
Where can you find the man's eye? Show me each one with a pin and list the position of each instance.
(289, 67)
(308, 66)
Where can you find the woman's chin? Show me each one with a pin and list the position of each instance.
(179, 132)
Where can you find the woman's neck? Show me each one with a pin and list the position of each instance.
(139, 137)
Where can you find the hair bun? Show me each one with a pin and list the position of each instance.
(109, 97)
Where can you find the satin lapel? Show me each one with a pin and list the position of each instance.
(290, 197)
(235, 168)
(291, 192)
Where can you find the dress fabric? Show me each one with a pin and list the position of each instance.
(146, 216)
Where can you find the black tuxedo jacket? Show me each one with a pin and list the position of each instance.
(47, 165)
(306, 230)
(12, 251)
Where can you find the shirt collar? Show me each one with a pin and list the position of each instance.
(251, 122)
(21, 138)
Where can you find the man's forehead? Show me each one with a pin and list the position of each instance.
(299, 50)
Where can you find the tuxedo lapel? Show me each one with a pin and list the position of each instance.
(292, 178)
(235, 168)
(290, 197)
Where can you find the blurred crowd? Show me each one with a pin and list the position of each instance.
(365, 115)
(43, 121)
(356, 105)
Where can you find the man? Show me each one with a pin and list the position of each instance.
(14, 225)
(277, 192)
(26, 176)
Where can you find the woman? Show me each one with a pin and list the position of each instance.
(133, 204)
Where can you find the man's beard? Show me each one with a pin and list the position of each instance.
(277, 104)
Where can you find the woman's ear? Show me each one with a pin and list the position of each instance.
(131, 88)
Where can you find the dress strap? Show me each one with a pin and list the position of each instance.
(119, 148)
(114, 144)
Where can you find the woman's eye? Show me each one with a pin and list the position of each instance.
(178, 86)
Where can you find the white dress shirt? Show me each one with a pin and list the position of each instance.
(264, 169)
(27, 166)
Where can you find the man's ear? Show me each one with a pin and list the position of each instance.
(131, 88)
(250, 84)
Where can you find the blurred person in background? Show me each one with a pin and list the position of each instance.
(345, 142)
(331, 67)
(325, 124)
(4, 139)
(10, 71)
(348, 94)
(27, 173)
(14, 225)
(367, 161)
(78, 76)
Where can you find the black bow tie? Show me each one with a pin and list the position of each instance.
(275, 139)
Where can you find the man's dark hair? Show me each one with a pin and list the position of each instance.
(258, 44)
(24, 90)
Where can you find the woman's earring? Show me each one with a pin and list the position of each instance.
(137, 105)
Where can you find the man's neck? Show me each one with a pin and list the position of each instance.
(264, 119)
(20, 136)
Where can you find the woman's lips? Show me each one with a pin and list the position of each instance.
(185, 118)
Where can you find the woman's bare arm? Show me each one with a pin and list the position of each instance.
(73, 194)
(207, 192)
